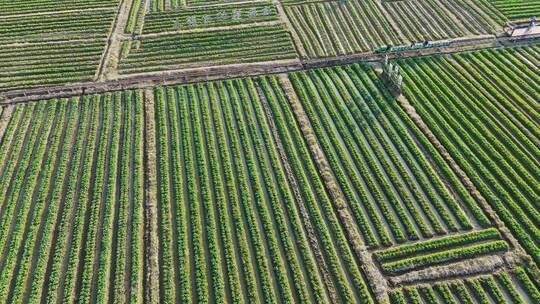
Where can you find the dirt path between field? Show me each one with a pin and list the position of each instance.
(150, 206)
(111, 55)
(171, 77)
(83, 10)
(375, 279)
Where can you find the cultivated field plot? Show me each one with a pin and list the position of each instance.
(163, 16)
(52, 42)
(503, 287)
(233, 225)
(518, 9)
(338, 28)
(483, 107)
(37, 64)
(10, 7)
(72, 188)
(390, 184)
(203, 49)
(208, 17)
(61, 26)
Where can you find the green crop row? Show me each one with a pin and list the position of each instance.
(482, 289)
(437, 244)
(450, 255)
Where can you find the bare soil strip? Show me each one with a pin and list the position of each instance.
(151, 212)
(374, 278)
(471, 267)
(110, 58)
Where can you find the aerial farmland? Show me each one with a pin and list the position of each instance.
(270, 151)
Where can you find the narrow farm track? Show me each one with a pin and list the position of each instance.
(151, 263)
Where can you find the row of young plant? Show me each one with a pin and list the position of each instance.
(357, 116)
(517, 139)
(65, 26)
(436, 244)
(397, 117)
(488, 142)
(221, 47)
(386, 199)
(374, 102)
(338, 256)
(515, 10)
(48, 232)
(502, 287)
(330, 29)
(223, 111)
(24, 7)
(471, 153)
(376, 85)
(451, 255)
(19, 203)
(33, 65)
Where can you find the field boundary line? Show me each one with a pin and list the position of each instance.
(459, 270)
(374, 277)
(111, 54)
(150, 206)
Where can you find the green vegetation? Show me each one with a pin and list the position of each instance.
(436, 244)
(518, 9)
(209, 48)
(208, 17)
(387, 180)
(487, 118)
(482, 289)
(62, 26)
(32, 65)
(339, 28)
(73, 208)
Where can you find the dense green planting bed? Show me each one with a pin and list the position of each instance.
(33, 65)
(483, 107)
(225, 198)
(18, 7)
(262, 43)
(63, 26)
(72, 183)
(390, 184)
(190, 18)
(503, 287)
(518, 9)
